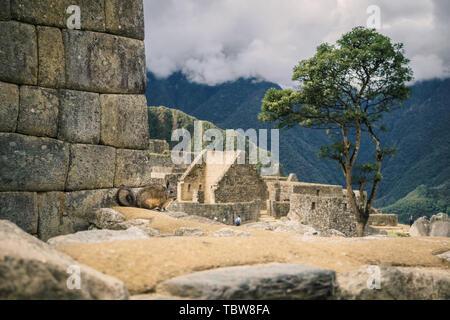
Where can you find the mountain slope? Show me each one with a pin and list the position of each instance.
(419, 131)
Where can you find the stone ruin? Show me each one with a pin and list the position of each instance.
(321, 206)
(73, 114)
(74, 128)
(217, 185)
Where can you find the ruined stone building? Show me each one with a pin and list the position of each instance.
(217, 185)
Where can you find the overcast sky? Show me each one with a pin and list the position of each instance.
(213, 41)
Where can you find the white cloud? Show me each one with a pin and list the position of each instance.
(214, 41)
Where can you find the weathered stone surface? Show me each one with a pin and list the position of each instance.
(124, 121)
(143, 224)
(227, 232)
(92, 236)
(382, 219)
(79, 117)
(189, 232)
(295, 227)
(260, 226)
(444, 256)
(38, 112)
(395, 283)
(18, 53)
(158, 146)
(125, 18)
(133, 168)
(68, 212)
(33, 270)
(331, 233)
(420, 228)
(31, 163)
(51, 57)
(5, 10)
(54, 12)
(440, 225)
(105, 218)
(91, 167)
(270, 281)
(9, 106)
(104, 63)
(20, 208)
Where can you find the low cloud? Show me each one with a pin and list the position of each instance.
(213, 41)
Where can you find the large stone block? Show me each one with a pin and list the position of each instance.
(54, 12)
(38, 112)
(9, 106)
(269, 281)
(32, 270)
(20, 208)
(31, 163)
(51, 57)
(124, 121)
(133, 168)
(125, 18)
(18, 53)
(91, 167)
(69, 212)
(5, 10)
(79, 117)
(104, 63)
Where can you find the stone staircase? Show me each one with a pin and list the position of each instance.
(264, 217)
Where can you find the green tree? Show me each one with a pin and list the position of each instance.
(345, 89)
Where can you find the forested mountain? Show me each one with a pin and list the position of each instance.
(416, 180)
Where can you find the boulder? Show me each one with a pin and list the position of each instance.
(190, 232)
(228, 232)
(106, 218)
(397, 283)
(143, 224)
(31, 269)
(420, 228)
(268, 281)
(93, 236)
(440, 225)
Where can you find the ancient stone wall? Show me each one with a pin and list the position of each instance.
(323, 212)
(383, 219)
(73, 115)
(278, 209)
(249, 211)
(241, 183)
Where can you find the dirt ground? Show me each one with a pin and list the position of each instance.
(142, 264)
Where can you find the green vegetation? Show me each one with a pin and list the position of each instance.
(419, 131)
(421, 201)
(346, 89)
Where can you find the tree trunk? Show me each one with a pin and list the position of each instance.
(360, 228)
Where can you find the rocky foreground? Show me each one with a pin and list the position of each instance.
(141, 254)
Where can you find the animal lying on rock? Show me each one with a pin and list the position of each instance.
(151, 197)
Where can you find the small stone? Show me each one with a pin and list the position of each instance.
(227, 232)
(189, 232)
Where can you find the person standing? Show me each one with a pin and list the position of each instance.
(411, 220)
(238, 221)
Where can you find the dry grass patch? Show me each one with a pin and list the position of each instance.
(142, 264)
